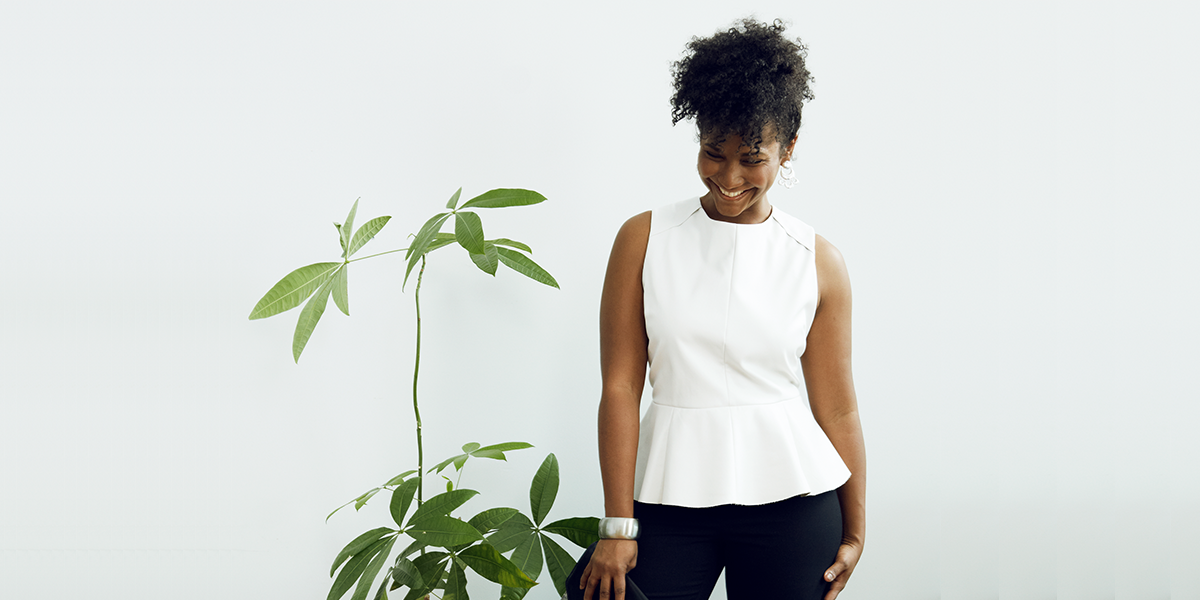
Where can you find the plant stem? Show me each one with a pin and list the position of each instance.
(379, 254)
(417, 372)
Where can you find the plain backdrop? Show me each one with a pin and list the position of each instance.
(1012, 186)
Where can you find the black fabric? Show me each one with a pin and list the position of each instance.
(778, 550)
(574, 593)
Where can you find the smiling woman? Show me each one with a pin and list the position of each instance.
(750, 458)
(738, 177)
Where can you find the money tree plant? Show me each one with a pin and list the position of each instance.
(500, 544)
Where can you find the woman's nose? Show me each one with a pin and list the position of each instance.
(730, 176)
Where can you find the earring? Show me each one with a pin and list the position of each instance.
(787, 174)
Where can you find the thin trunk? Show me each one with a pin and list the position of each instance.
(416, 373)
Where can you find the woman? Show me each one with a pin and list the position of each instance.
(741, 464)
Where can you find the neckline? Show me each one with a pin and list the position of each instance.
(704, 213)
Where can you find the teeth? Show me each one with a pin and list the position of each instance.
(729, 193)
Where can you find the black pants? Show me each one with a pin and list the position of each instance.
(771, 551)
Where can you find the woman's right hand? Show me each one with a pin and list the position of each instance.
(604, 577)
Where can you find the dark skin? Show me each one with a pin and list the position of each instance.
(738, 178)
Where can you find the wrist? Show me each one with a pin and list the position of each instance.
(618, 528)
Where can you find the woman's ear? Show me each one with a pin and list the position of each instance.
(791, 147)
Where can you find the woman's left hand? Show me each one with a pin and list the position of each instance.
(839, 573)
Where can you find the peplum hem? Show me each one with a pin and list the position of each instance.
(745, 454)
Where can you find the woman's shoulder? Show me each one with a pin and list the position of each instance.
(636, 227)
(630, 245)
(831, 271)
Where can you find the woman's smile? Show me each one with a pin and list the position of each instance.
(738, 175)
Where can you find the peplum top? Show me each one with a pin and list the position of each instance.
(728, 308)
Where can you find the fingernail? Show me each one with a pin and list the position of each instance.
(828, 575)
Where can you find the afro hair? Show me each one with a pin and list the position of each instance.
(743, 81)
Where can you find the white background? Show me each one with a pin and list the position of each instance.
(1012, 185)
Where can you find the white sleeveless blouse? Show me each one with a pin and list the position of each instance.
(728, 308)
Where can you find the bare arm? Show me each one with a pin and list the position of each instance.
(830, 384)
(623, 357)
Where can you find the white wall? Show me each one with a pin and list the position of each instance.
(1012, 186)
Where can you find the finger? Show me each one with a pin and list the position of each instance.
(605, 587)
(835, 588)
(831, 577)
(587, 572)
(591, 587)
(833, 571)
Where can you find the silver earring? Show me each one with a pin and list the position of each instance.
(787, 175)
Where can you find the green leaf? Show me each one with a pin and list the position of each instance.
(402, 498)
(366, 233)
(382, 593)
(425, 234)
(427, 565)
(432, 567)
(454, 199)
(337, 509)
(511, 533)
(528, 556)
(290, 291)
(488, 261)
(340, 293)
(354, 569)
(491, 518)
(440, 240)
(468, 229)
(400, 478)
(408, 550)
(496, 451)
(511, 243)
(581, 531)
(489, 563)
(470, 447)
(442, 504)
(500, 198)
(372, 571)
(308, 319)
(361, 501)
(544, 489)
(445, 463)
(508, 446)
(439, 530)
(525, 266)
(358, 544)
(456, 584)
(511, 593)
(345, 229)
(559, 562)
(422, 594)
(406, 573)
(420, 243)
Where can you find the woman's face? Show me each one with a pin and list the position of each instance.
(738, 177)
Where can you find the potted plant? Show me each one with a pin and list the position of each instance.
(501, 544)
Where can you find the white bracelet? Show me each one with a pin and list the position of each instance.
(618, 528)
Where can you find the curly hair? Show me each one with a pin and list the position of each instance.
(742, 80)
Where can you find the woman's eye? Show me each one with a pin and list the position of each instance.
(714, 156)
(754, 162)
